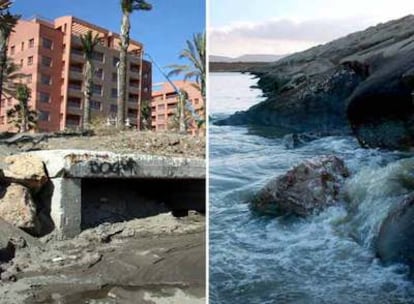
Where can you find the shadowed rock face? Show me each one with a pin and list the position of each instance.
(311, 186)
(395, 240)
(381, 110)
(360, 83)
(316, 103)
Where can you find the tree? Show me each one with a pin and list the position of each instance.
(11, 77)
(182, 125)
(127, 7)
(145, 110)
(195, 53)
(7, 23)
(20, 115)
(89, 43)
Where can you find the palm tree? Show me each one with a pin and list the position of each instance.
(11, 77)
(127, 7)
(7, 23)
(89, 43)
(195, 53)
(22, 117)
(145, 111)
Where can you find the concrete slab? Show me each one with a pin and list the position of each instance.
(96, 164)
(68, 170)
(65, 209)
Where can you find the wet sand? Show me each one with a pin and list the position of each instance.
(153, 260)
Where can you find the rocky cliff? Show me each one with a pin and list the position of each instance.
(360, 83)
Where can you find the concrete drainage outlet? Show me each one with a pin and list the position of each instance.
(90, 188)
(117, 200)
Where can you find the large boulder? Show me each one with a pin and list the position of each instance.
(394, 243)
(381, 110)
(307, 188)
(25, 169)
(18, 208)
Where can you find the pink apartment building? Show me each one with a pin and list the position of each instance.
(164, 104)
(50, 53)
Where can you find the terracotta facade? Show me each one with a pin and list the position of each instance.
(50, 53)
(164, 106)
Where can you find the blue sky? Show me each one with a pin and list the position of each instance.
(280, 27)
(163, 30)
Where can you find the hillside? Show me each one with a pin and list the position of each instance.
(240, 64)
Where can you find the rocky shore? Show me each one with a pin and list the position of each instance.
(360, 84)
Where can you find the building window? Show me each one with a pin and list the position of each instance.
(99, 73)
(44, 116)
(22, 46)
(96, 105)
(75, 51)
(21, 63)
(76, 68)
(161, 107)
(114, 93)
(30, 60)
(113, 108)
(31, 43)
(44, 97)
(97, 89)
(114, 77)
(134, 68)
(75, 86)
(2, 120)
(12, 50)
(98, 56)
(72, 120)
(196, 101)
(46, 61)
(47, 43)
(115, 61)
(45, 79)
(160, 117)
(74, 103)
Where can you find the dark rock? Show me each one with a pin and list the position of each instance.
(394, 243)
(296, 140)
(381, 111)
(310, 186)
(318, 104)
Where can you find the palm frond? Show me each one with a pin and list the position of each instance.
(89, 42)
(195, 53)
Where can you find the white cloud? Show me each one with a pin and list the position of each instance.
(281, 36)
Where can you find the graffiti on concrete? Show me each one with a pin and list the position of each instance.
(122, 167)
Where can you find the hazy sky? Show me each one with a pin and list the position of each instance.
(240, 27)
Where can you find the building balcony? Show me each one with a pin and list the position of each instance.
(133, 89)
(75, 91)
(75, 75)
(76, 57)
(74, 111)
